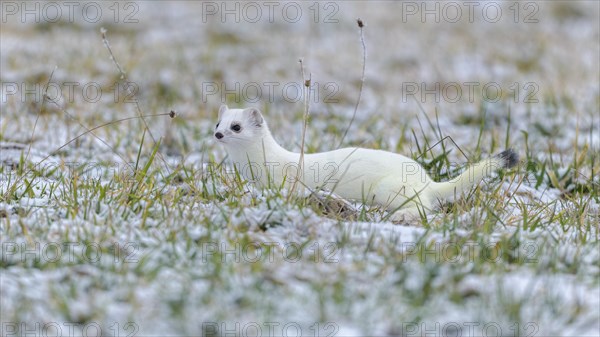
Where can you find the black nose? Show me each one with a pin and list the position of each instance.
(219, 135)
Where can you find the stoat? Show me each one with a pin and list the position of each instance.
(388, 179)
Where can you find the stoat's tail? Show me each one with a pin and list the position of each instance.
(474, 174)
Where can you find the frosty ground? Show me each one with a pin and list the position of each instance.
(139, 226)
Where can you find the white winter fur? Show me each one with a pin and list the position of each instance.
(379, 177)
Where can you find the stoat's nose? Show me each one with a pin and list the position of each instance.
(219, 135)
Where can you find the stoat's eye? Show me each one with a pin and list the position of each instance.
(236, 127)
(217, 125)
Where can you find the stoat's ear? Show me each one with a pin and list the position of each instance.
(222, 109)
(254, 116)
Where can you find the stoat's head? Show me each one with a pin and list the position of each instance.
(239, 126)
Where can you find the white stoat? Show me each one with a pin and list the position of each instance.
(379, 177)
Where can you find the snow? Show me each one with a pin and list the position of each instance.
(182, 259)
